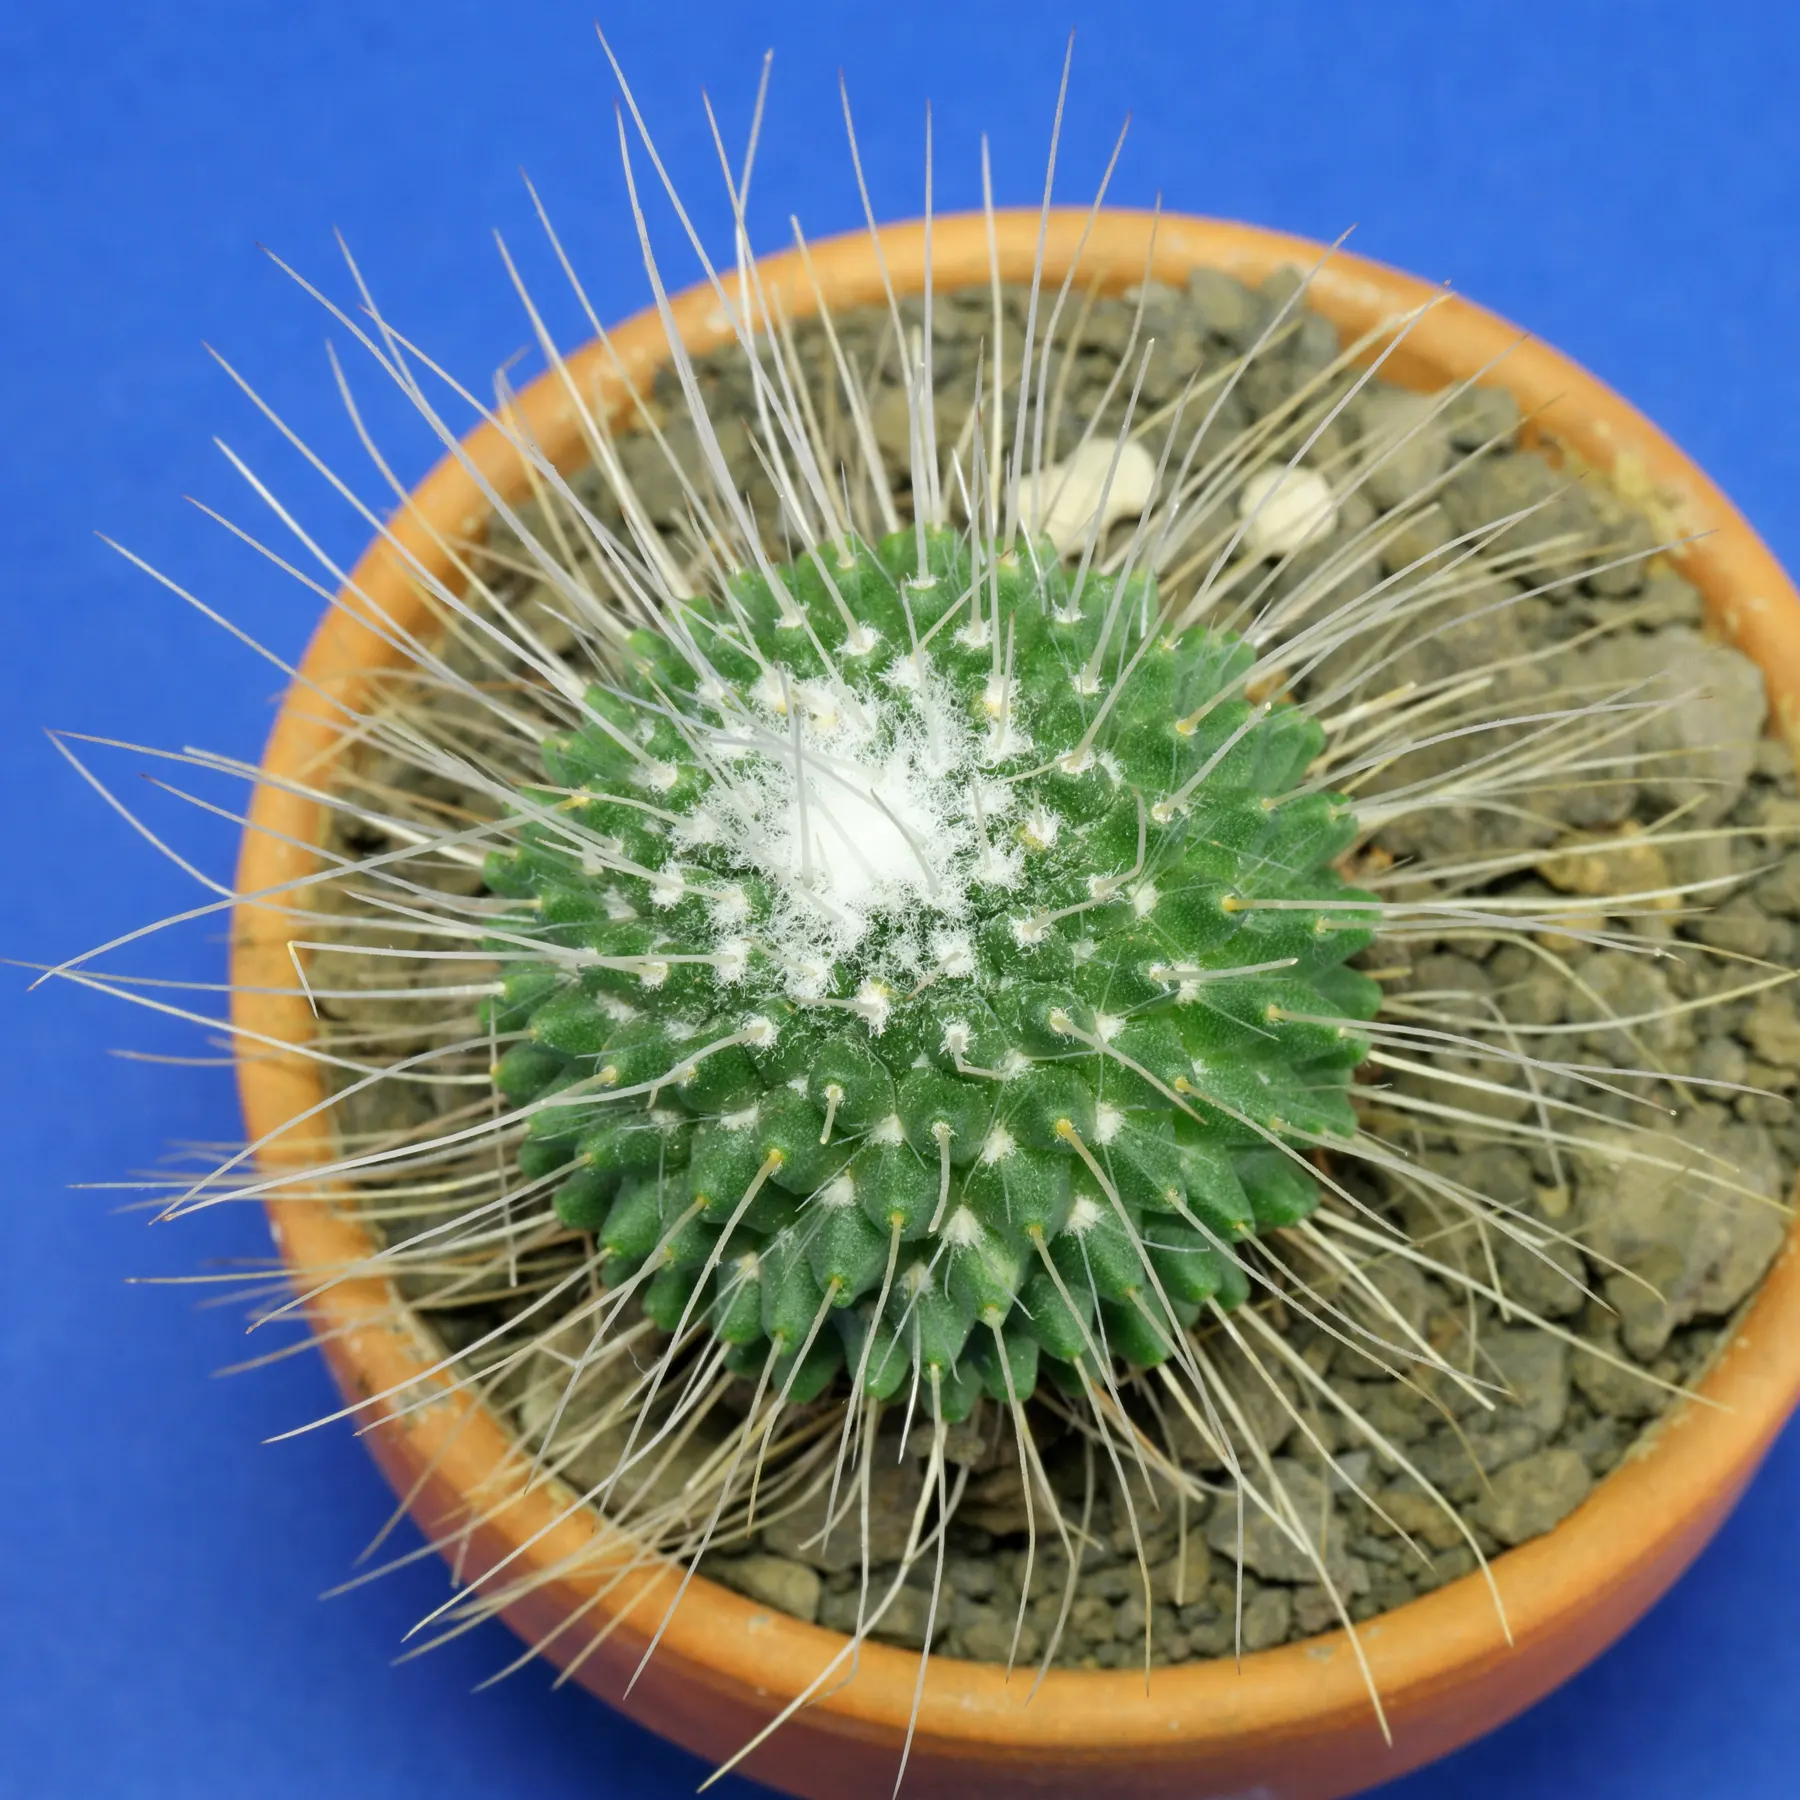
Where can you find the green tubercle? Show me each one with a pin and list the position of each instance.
(923, 964)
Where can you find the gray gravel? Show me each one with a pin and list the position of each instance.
(1669, 1263)
(1670, 1260)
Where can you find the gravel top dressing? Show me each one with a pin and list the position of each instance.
(1641, 1268)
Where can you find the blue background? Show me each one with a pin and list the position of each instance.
(1622, 180)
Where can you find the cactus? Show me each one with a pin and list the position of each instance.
(929, 963)
(900, 968)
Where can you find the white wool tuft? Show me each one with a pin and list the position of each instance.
(855, 809)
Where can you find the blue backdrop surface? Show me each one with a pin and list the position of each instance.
(1623, 181)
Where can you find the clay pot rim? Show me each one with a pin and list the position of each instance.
(1661, 1504)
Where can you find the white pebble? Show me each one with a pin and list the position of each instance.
(1063, 499)
(1285, 508)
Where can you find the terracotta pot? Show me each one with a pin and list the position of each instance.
(1294, 1722)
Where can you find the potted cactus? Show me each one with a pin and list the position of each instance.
(894, 923)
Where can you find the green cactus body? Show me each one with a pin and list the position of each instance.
(922, 966)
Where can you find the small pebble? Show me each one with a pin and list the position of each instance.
(1530, 1496)
(1065, 500)
(1480, 416)
(1268, 1619)
(1773, 1029)
(1225, 307)
(1283, 509)
(789, 1587)
(1404, 447)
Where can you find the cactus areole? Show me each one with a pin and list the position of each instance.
(923, 965)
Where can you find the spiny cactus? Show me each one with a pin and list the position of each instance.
(924, 948)
(860, 969)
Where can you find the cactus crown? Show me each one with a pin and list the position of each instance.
(926, 965)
